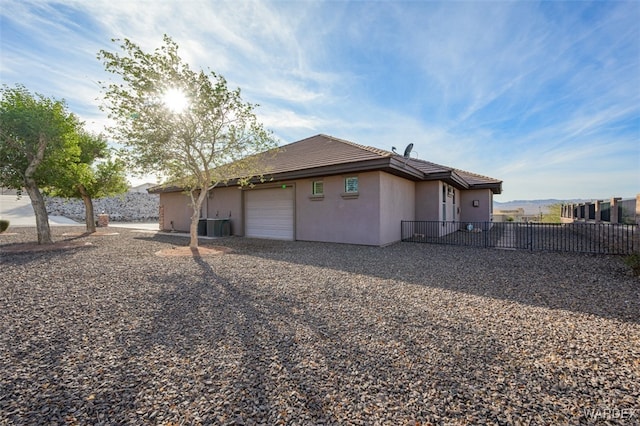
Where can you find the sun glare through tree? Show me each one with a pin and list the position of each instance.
(175, 100)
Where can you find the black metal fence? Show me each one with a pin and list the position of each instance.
(600, 238)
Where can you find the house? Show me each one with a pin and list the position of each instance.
(142, 188)
(327, 189)
(515, 215)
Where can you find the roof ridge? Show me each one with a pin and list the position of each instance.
(430, 163)
(301, 140)
(371, 149)
(475, 174)
(385, 153)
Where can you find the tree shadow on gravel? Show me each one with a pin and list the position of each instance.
(245, 350)
(258, 356)
(328, 334)
(23, 254)
(31, 384)
(581, 283)
(598, 285)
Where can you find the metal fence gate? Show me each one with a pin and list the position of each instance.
(600, 238)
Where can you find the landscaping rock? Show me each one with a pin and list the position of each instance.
(296, 333)
(129, 207)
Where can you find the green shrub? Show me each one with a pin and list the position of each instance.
(633, 261)
(4, 224)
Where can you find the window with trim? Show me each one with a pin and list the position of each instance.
(317, 188)
(351, 184)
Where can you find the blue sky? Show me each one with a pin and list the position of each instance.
(543, 95)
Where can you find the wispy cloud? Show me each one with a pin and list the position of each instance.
(534, 93)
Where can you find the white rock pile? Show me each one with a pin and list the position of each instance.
(129, 207)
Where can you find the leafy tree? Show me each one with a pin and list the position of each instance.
(85, 178)
(553, 214)
(37, 135)
(184, 124)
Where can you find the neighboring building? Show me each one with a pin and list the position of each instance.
(331, 190)
(513, 215)
(518, 215)
(614, 210)
(143, 188)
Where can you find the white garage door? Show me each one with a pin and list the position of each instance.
(269, 213)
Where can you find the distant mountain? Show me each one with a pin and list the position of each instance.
(532, 206)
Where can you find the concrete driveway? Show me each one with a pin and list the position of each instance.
(19, 212)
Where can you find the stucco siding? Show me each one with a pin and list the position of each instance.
(176, 210)
(397, 203)
(428, 200)
(438, 201)
(370, 217)
(225, 202)
(481, 213)
(338, 218)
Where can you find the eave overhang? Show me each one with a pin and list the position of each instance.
(448, 176)
(496, 188)
(386, 164)
(395, 165)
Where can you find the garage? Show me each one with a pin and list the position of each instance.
(269, 213)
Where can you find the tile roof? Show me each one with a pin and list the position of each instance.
(469, 177)
(476, 179)
(319, 151)
(323, 151)
(321, 155)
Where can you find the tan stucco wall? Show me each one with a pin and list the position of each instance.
(334, 218)
(397, 203)
(221, 202)
(226, 203)
(428, 200)
(482, 213)
(434, 205)
(371, 218)
(177, 210)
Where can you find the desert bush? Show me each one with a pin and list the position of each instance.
(633, 261)
(4, 224)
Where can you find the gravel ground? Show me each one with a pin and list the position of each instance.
(310, 333)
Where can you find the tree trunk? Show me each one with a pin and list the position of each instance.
(195, 216)
(193, 230)
(89, 218)
(37, 201)
(40, 210)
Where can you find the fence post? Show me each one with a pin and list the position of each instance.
(615, 211)
(530, 235)
(485, 229)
